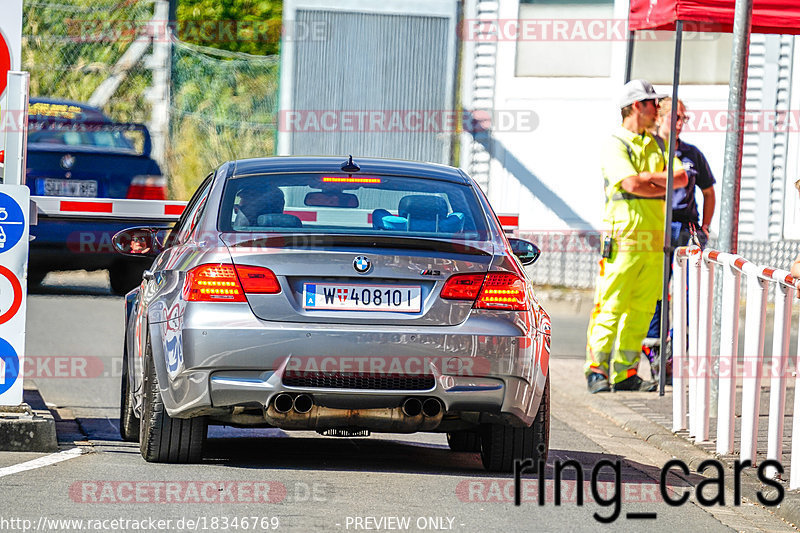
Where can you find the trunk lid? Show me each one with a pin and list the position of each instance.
(344, 279)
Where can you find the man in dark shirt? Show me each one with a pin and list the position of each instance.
(685, 216)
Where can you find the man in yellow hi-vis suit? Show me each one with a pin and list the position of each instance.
(630, 280)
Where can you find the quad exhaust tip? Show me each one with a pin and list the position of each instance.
(303, 403)
(283, 403)
(412, 407)
(431, 407)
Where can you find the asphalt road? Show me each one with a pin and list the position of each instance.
(256, 480)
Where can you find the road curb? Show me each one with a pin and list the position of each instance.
(23, 429)
(693, 455)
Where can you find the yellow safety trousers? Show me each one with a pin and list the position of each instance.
(627, 289)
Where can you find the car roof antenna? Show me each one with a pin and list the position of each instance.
(349, 166)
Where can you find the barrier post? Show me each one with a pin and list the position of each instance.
(679, 341)
(703, 370)
(728, 352)
(755, 318)
(693, 267)
(778, 368)
(16, 142)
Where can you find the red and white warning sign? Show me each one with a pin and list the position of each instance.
(10, 49)
(14, 201)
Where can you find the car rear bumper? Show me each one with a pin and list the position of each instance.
(229, 359)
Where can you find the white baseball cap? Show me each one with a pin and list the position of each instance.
(636, 91)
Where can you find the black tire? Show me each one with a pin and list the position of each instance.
(501, 444)
(124, 277)
(164, 439)
(464, 441)
(128, 423)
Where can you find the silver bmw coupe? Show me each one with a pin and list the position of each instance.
(342, 297)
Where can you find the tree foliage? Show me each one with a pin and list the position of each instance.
(250, 26)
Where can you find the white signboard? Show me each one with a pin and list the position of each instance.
(14, 201)
(10, 47)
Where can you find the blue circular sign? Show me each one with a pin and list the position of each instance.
(12, 223)
(9, 366)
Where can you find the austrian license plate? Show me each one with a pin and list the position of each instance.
(402, 298)
(84, 188)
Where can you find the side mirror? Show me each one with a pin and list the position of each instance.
(526, 252)
(140, 241)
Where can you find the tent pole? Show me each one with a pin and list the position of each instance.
(737, 87)
(629, 57)
(728, 240)
(676, 78)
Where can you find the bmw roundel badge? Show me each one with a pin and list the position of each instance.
(362, 264)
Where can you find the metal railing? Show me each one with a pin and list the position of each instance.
(693, 362)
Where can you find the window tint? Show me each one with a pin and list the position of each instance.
(341, 204)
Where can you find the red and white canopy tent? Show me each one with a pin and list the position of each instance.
(773, 16)
(741, 17)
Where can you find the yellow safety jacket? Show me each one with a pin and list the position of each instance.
(634, 221)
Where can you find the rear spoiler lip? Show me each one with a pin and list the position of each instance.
(316, 240)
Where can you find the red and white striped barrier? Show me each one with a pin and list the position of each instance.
(696, 362)
(510, 222)
(111, 207)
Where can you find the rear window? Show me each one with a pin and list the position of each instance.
(93, 139)
(358, 204)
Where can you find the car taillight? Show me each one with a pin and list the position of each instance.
(258, 280)
(503, 290)
(147, 188)
(228, 283)
(463, 287)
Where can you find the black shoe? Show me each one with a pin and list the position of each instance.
(635, 383)
(597, 383)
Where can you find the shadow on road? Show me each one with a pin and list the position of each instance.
(274, 449)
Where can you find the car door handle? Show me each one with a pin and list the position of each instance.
(148, 275)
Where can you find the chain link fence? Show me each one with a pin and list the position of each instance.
(71, 46)
(224, 107)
